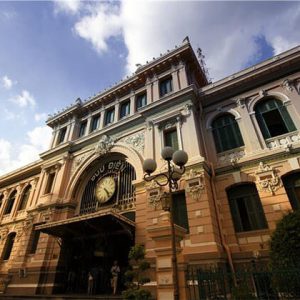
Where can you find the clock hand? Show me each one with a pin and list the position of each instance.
(107, 192)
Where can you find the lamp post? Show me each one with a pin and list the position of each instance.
(176, 161)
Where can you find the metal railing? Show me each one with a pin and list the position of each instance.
(247, 283)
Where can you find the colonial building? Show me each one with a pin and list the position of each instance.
(85, 202)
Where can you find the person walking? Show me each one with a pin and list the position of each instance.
(90, 283)
(115, 271)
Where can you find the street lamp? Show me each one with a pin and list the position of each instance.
(176, 161)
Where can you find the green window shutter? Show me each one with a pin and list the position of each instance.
(235, 215)
(180, 210)
(262, 125)
(287, 119)
(226, 133)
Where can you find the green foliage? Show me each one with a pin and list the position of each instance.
(285, 243)
(284, 254)
(135, 276)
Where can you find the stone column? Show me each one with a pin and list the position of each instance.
(117, 113)
(132, 103)
(161, 233)
(175, 80)
(155, 89)
(182, 76)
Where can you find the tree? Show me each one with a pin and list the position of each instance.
(285, 254)
(135, 276)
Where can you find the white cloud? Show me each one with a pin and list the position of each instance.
(67, 6)
(226, 31)
(13, 156)
(40, 117)
(103, 23)
(24, 99)
(7, 83)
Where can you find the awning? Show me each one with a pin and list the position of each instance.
(98, 223)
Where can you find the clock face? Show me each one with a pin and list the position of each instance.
(105, 188)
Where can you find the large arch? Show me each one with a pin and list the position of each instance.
(131, 156)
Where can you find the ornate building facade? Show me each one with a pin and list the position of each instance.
(85, 202)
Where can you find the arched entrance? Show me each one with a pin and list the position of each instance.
(102, 229)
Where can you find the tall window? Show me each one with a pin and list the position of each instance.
(61, 135)
(50, 182)
(10, 202)
(95, 122)
(8, 246)
(246, 208)
(292, 186)
(141, 101)
(82, 128)
(226, 133)
(124, 109)
(33, 242)
(109, 116)
(273, 118)
(24, 198)
(171, 138)
(165, 86)
(180, 210)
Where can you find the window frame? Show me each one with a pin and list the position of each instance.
(138, 97)
(251, 201)
(168, 131)
(226, 136)
(8, 246)
(82, 128)
(10, 203)
(95, 120)
(50, 184)
(289, 181)
(110, 111)
(260, 111)
(23, 201)
(62, 135)
(125, 104)
(180, 211)
(165, 86)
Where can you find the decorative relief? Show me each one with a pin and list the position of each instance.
(231, 157)
(241, 102)
(187, 110)
(195, 183)
(3, 234)
(47, 215)
(154, 194)
(286, 141)
(104, 145)
(137, 141)
(288, 85)
(267, 179)
(149, 124)
(263, 93)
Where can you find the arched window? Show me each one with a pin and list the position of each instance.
(24, 198)
(10, 202)
(273, 118)
(226, 133)
(292, 186)
(246, 208)
(8, 246)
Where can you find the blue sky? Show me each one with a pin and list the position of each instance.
(52, 52)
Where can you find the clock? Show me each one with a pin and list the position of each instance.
(105, 188)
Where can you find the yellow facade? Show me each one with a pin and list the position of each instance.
(112, 133)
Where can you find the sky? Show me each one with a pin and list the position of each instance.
(52, 52)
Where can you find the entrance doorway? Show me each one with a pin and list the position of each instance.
(93, 256)
(89, 246)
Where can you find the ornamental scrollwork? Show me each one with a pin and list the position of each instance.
(154, 195)
(288, 85)
(137, 141)
(267, 178)
(195, 183)
(104, 145)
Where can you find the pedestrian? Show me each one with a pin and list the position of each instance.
(90, 283)
(115, 270)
